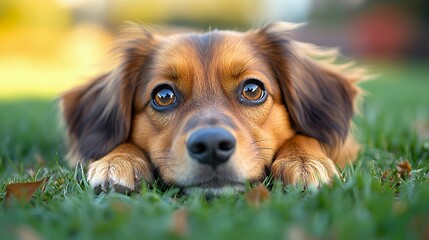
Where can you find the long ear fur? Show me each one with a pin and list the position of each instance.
(319, 96)
(98, 115)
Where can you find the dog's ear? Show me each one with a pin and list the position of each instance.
(319, 96)
(98, 115)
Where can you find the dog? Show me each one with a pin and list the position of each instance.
(214, 111)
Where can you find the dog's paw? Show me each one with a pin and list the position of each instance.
(119, 172)
(305, 170)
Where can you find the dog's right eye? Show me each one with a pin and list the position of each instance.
(253, 92)
(162, 97)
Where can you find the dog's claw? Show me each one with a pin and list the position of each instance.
(104, 186)
(122, 189)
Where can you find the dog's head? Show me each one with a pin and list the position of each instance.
(211, 110)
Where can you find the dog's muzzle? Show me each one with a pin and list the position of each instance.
(212, 146)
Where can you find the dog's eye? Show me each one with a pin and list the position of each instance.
(253, 91)
(163, 96)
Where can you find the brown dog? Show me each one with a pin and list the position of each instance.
(213, 111)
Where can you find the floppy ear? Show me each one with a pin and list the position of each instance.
(319, 96)
(98, 115)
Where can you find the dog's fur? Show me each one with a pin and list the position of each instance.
(298, 134)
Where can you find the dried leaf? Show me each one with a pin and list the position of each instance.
(257, 195)
(404, 169)
(399, 207)
(22, 191)
(180, 222)
(296, 232)
(120, 207)
(385, 175)
(60, 181)
(26, 233)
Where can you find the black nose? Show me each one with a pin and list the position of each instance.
(211, 146)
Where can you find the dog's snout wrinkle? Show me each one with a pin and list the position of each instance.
(218, 120)
(212, 146)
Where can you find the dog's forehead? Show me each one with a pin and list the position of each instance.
(206, 44)
(213, 61)
(223, 51)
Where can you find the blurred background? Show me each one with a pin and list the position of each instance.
(48, 46)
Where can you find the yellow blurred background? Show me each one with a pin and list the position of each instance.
(48, 46)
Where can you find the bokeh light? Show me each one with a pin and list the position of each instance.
(49, 46)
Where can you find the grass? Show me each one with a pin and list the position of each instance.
(372, 202)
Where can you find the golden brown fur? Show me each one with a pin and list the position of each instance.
(296, 132)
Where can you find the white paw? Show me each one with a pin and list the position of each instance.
(116, 172)
(307, 170)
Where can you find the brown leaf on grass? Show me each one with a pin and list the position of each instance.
(386, 176)
(296, 232)
(26, 233)
(22, 191)
(400, 207)
(179, 224)
(404, 169)
(120, 207)
(257, 195)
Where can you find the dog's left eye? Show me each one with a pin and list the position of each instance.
(253, 91)
(163, 96)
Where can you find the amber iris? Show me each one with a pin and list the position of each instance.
(164, 97)
(252, 92)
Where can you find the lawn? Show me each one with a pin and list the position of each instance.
(377, 200)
